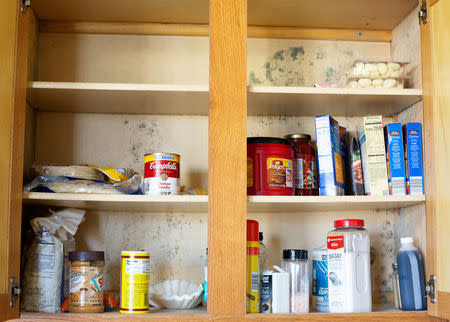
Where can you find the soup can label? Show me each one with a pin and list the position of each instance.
(266, 292)
(280, 172)
(134, 283)
(162, 174)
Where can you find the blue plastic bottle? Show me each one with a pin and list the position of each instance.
(411, 277)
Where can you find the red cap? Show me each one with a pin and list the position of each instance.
(252, 230)
(349, 223)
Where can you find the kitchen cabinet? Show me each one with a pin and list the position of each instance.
(104, 81)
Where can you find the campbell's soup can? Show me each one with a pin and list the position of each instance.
(162, 174)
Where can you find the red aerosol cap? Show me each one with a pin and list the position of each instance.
(252, 230)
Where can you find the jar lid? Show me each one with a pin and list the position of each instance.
(298, 136)
(349, 223)
(295, 254)
(86, 256)
(263, 139)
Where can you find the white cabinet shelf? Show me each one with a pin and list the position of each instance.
(199, 204)
(193, 99)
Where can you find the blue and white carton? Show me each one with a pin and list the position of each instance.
(412, 134)
(395, 159)
(331, 175)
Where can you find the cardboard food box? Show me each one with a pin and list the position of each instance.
(331, 175)
(395, 159)
(412, 134)
(373, 155)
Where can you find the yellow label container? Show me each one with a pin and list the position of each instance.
(134, 282)
(252, 277)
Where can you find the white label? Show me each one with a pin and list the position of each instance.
(137, 266)
(255, 282)
(415, 186)
(336, 273)
(298, 168)
(77, 281)
(158, 187)
(398, 186)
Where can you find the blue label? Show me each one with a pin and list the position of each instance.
(205, 291)
(320, 284)
(395, 158)
(413, 141)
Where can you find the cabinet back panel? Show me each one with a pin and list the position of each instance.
(184, 60)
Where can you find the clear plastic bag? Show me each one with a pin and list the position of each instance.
(60, 184)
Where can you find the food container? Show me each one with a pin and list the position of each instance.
(270, 166)
(86, 282)
(305, 165)
(348, 250)
(295, 262)
(162, 174)
(375, 74)
(134, 282)
(319, 292)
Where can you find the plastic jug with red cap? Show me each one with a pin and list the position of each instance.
(348, 252)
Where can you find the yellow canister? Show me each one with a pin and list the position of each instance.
(134, 282)
(252, 266)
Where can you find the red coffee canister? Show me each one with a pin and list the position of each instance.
(270, 166)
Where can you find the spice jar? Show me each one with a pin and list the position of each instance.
(86, 282)
(304, 165)
(295, 262)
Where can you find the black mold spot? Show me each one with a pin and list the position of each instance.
(279, 55)
(294, 51)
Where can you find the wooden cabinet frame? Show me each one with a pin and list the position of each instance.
(227, 169)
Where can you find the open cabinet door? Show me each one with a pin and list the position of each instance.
(435, 30)
(13, 74)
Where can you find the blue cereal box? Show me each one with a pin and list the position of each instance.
(331, 176)
(412, 134)
(395, 159)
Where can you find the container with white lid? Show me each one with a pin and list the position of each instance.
(348, 250)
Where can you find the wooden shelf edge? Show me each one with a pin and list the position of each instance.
(199, 204)
(373, 316)
(202, 30)
(335, 91)
(117, 86)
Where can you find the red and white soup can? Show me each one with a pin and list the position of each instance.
(162, 174)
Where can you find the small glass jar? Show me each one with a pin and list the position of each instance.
(295, 262)
(86, 282)
(305, 165)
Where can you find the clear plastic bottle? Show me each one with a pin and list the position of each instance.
(348, 250)
(262, 252)
(396, 287)
(295, 262)
(205, 281)
(411, 277)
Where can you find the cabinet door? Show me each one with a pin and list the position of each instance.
(436, 92)
(13, 73)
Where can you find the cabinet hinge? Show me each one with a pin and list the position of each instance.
(25, 5)
(423, 15)
(431, 289)
(14, 290)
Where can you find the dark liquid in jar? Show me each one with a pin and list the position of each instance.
(305, 164)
